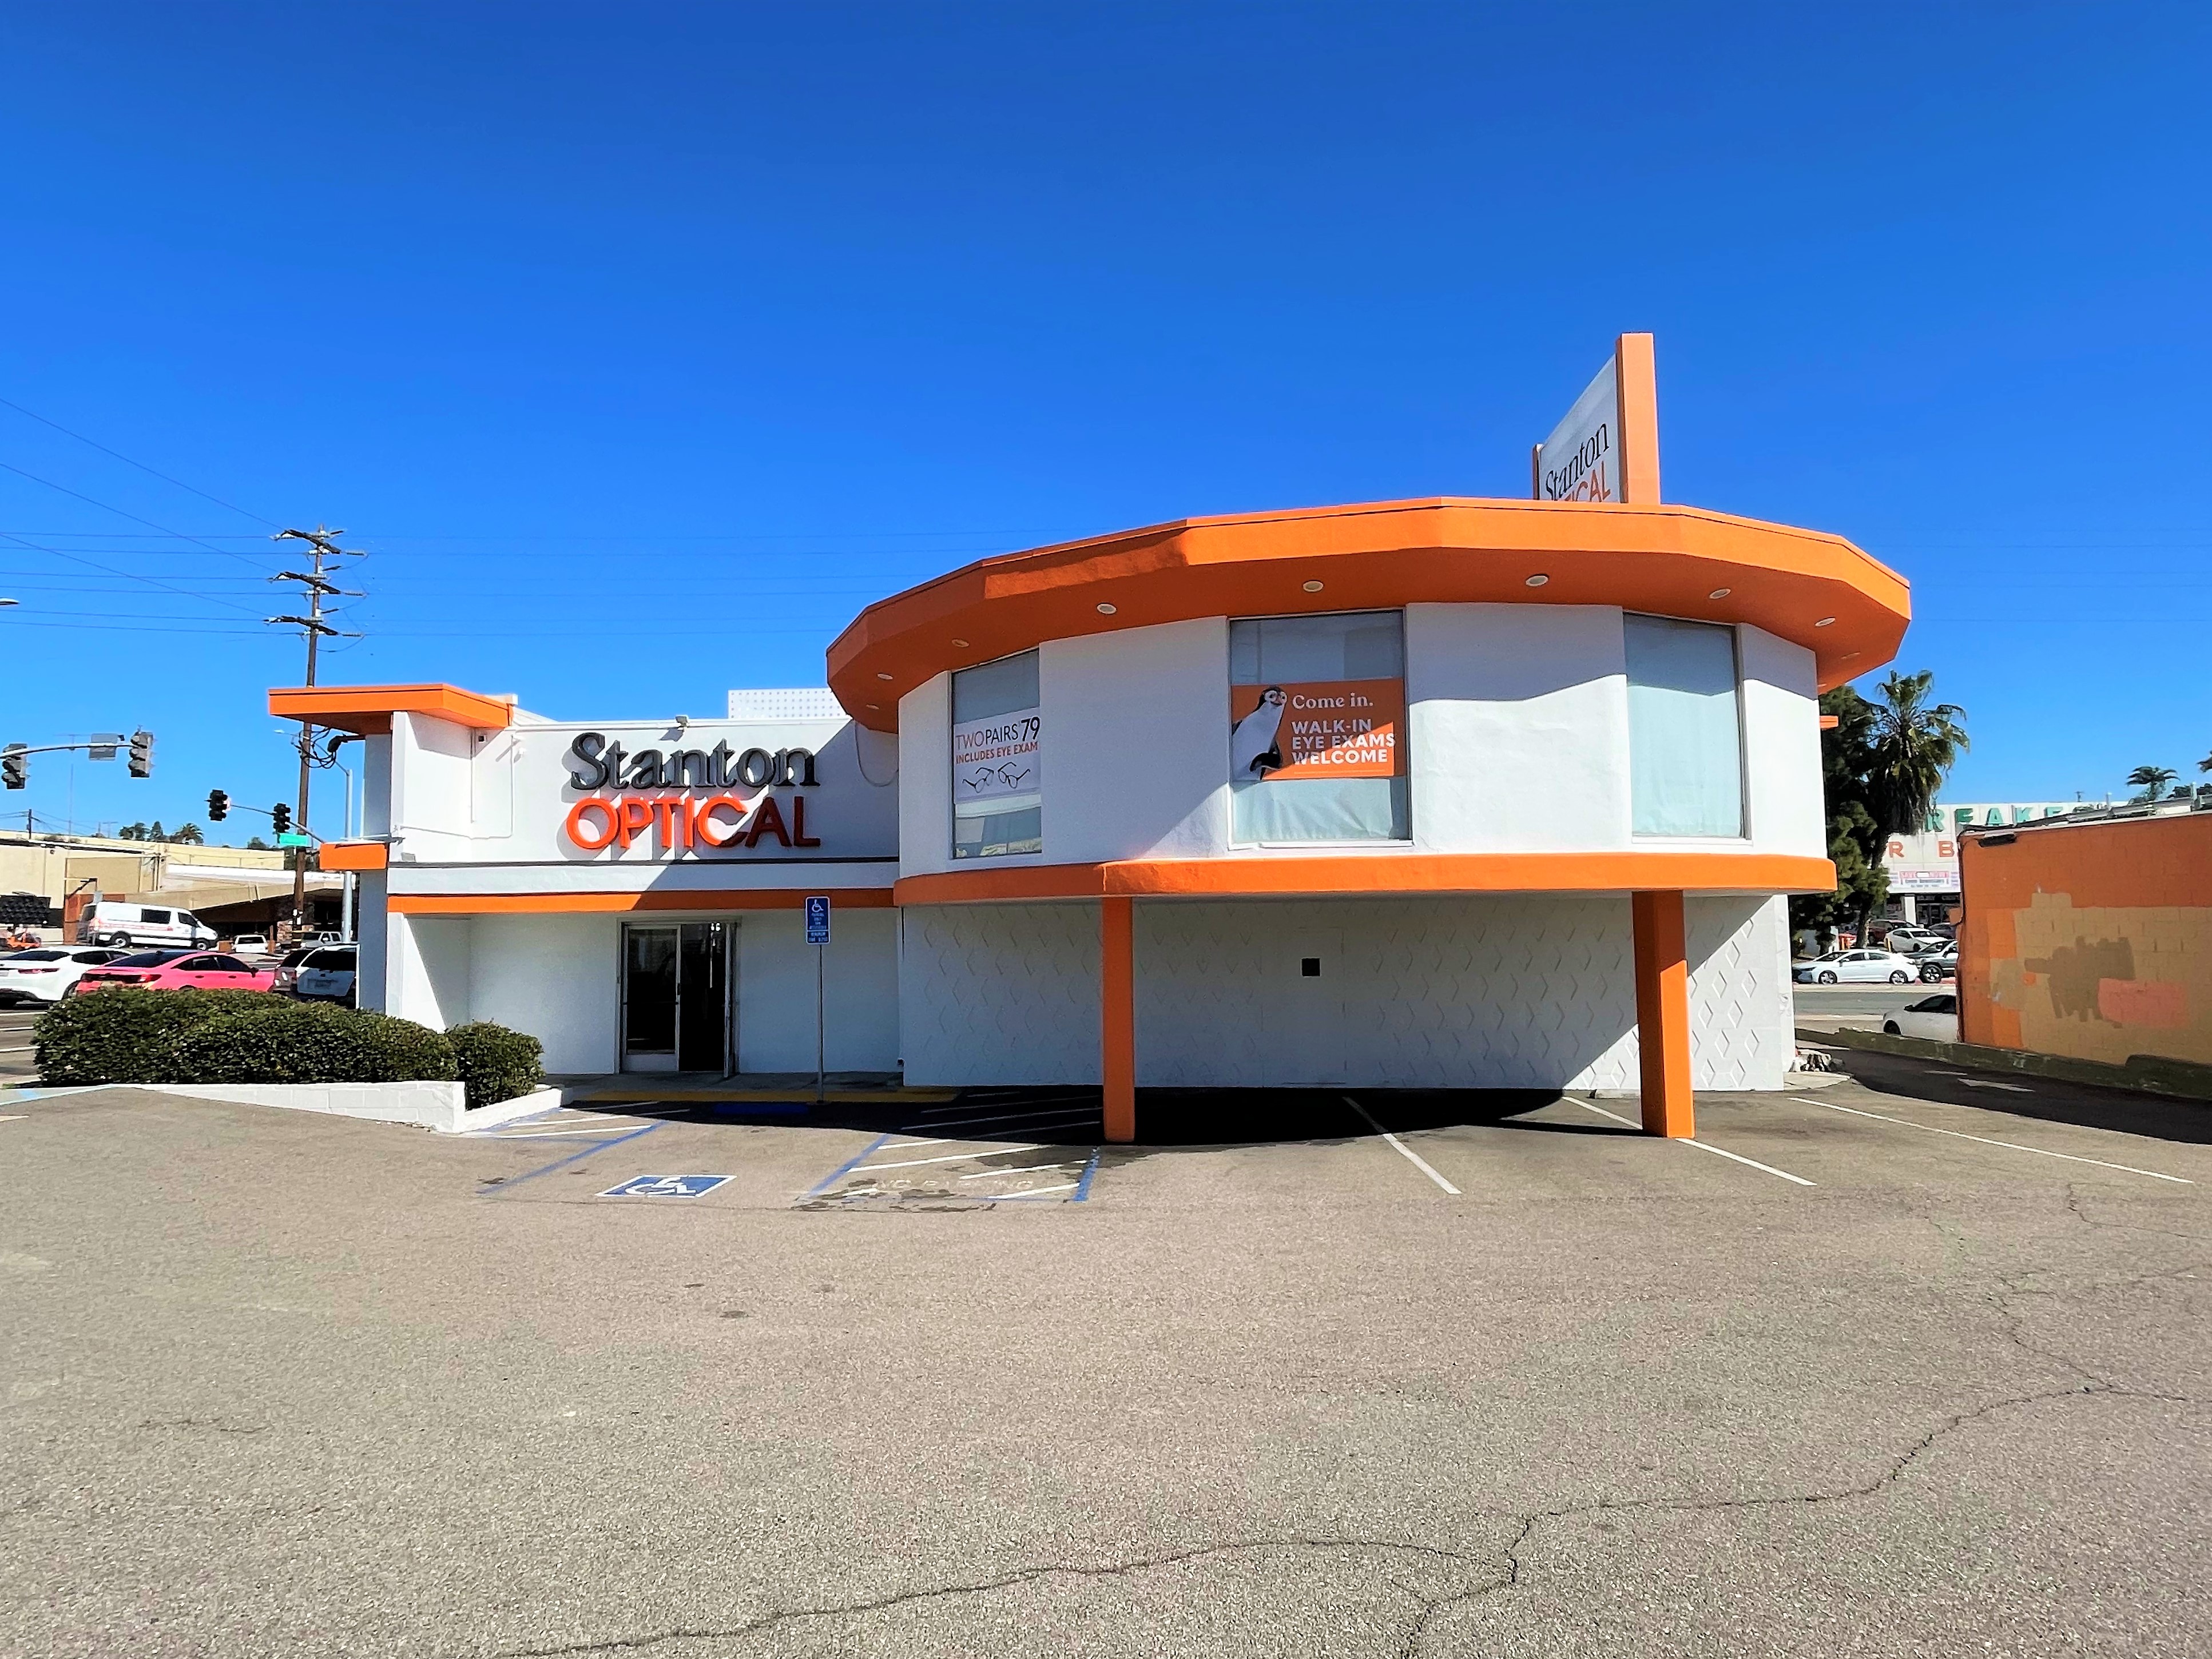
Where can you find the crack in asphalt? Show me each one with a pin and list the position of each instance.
(1006, 1581)
(1430, 1607)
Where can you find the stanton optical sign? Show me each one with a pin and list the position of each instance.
(720, 819)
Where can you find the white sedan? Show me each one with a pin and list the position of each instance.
(1936, 1017)
(46, 974)
(1858, 967)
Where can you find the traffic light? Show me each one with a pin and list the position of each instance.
(218, 806)
(14, 770)
(281, 816)
(142, 753)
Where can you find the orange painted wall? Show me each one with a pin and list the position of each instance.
(2090, 940)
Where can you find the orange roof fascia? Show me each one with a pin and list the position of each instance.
(352, 855)
(1816, 589)
(540, 904)
(1380, 875)
(368, 709)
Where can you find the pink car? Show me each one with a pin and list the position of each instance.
(179, 971)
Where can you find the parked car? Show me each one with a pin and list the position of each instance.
(250, 944)
(326, 975)
(1936, 1017)
(111, 921)
(1914, 941)
(178, 970)
(46, 974)
(288, 967)
(1858, 967)
(1939, 965)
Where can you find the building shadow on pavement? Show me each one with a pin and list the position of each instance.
(2017, 1095)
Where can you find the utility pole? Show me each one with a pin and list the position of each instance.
(316, 586)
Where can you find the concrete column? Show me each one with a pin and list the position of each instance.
(1117, 1036)
(1663, 1014)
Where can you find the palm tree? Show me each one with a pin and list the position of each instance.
(1913, 744)
(186, 835)
(2151, 780)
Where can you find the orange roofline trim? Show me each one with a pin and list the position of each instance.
(368, 710)
(1815, 589)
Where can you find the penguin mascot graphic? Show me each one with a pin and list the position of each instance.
(1254, 749)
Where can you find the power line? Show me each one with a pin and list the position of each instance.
(127, 575)
(150, 471)
(119, 513)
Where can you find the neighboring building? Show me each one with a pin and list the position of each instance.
(1924, 868)
(232, 888)
(1439, 794)
(2091, 936)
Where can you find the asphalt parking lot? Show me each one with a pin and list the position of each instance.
(1900, 1365)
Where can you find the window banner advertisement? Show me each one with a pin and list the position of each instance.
(1316, 729)
(997, 762)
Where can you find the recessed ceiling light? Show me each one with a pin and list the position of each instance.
(875, 705)
(1537, 582)
(1850, 655)
(1824, 621)
(1720, 593)
(1313, 587)
(1106, 610)
(882, 676)
(960, 645)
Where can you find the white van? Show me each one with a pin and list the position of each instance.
(109, 922)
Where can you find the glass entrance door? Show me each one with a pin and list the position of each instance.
(676, 998)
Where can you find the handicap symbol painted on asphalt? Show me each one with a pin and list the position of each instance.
(685, 1186)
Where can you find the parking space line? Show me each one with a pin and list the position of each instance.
(951, 1158)
(1008, 1117)
(1408, 1152)
(2010, 1145)
(1026, 1169)
(846, 1167)
(1704, 1146)
(492, 1189)
(1034, 1192)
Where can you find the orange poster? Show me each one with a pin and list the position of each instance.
(1316, 729)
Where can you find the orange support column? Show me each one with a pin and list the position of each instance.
(1663, 1014)
(1117, 1008)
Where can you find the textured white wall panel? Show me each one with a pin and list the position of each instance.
(1519, 727)
(555, 977)
(1504, 993)
(1782, 745)
(1743, 1021)
(428, 969)
(1000, 993)
(1136, 744)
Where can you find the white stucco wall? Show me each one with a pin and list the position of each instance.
(1000, 993)
(1136, 725)
(429, 796)
(553, 976)
(1519, 727)
(776, 992)
(925, 778)
(1782, 744)
(428, 968)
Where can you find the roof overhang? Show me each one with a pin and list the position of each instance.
(1817, 590)
(368, 709)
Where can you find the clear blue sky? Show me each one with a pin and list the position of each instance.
(644, 344)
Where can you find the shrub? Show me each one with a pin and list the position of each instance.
(120, 1035)
(123, 1036)
(309, 1043)
(496, 1063)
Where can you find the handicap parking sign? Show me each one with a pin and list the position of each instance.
(685, 1186)
(817, 919)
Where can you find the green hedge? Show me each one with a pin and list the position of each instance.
(119, 1035)
(496, 1063)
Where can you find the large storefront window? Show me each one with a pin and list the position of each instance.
(998, 751)
(1684, 747)
(1317, 717)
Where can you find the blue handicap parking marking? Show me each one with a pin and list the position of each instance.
(682, 1186)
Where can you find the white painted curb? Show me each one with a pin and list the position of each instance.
(437, 1106)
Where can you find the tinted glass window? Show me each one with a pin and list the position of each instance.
(997, 755)
(226, 964)
(1685, 755)
(147, 959)
(160, 918)
(36, 956)
(1316, 713)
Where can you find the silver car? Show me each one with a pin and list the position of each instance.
(326, 975)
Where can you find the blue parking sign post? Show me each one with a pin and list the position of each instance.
(817, 935)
